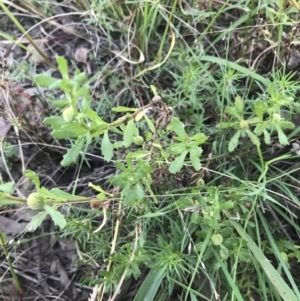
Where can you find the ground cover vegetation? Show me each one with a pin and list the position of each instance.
(150, 150)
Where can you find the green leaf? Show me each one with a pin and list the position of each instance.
(235, 66)
(129, 133)
(61, 103)
(83, 91)
(94, 117)
(260, 108)
(194, 156)
(7, 187)
(54, 121)
(233, 112)
(275, 278)
(72, 154)
(286, 124)
(150, 124)
(70, 130)
(139, 191)
(177, 164)
(150, 285)
(4, 200)
(123, 109)
(31, 175)
(234, 141)
(58, 219)
(178, 148)
(178, 127)
(64, 195)
(62, 66)
(106, 147)
(267, 137)
(253, 137)
(199, 138)
(281, 136)
(45, 80)
(239, 104)
(36, 221)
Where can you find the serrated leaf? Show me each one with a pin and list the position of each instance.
(177, 164)
(46, 194)
(106, 147)
(234, 141)
(72, 154)
(31, 175)
(233, 112)
(62, 66)
(36, 221)
(281, 136)
(123, 109)
(45, 80)
(254, 139)
(267, 137)
(260, 108)
(286, 124)
(70, 130)
(58, 219)
(239, 104)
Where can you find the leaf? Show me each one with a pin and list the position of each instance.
(70, 130)
(234, 141)
(286, 124)
(123, 109)
(46, 194)
(260, 108)
(61, 103)
(177, 164)
(72, 154)
(194, 156)
(36, 221)
(178, 127)
(129, 133)
(235, 66)
(150, 285)
(62, 66)
(58, 219)
(278, 282)
(31, 175)
(267, 137)
(233, 112)
(106, 147)
(281, 136)
(239, 104)
(253, 137)
(54, 121)
(199, 138)
(64, 195)
(7, 187)
(178, 148)
(45, 80)
(94, 117)
(150, 124)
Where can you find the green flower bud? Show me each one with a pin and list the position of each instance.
(68, 114)
(138, 140)
(35, 201)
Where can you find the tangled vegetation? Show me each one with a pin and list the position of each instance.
(177, 123)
